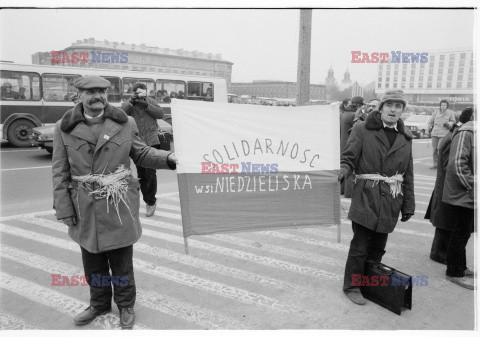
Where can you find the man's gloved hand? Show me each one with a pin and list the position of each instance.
(70, 221)
(406, 217)
(341, 176)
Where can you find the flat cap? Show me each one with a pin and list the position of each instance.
(89, 82)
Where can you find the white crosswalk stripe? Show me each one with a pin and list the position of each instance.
(252, 270)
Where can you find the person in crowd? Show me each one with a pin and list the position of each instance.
(379, 151)
(93, 144)
(343, 106)
(165, 97)
(130, 88)
(21, 94)
(145, 111)
(173, 95)
(181, 94)
(7, 91)
(441, 121)
(441, 214)
(346, 125)
(459, 191)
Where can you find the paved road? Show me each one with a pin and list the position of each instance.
(282, 279)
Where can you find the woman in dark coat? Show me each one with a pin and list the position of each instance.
(439, 213)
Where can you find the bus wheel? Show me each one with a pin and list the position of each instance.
(19, 132)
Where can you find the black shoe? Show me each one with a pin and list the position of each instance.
(127, 318)
(89, 315)
(356, 297)
(438, 259)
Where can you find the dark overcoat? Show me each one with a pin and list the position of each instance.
(440, 213)
(97, 229)
(368, 152)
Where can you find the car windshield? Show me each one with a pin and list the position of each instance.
(417, 118)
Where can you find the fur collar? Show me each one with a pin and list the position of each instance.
(374, 122)
(74, 116)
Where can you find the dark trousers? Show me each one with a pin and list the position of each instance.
(148, 183)
(456, 256)
(440, 244)
(365, 245)
(97, 268)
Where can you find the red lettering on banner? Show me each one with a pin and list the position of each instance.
(375, 280)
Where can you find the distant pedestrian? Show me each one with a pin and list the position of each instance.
(346, 125)
(379, 151)
(458, 191)
(442, 120)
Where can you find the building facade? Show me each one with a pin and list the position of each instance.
(447, 74)
(142, 58)
(275, 89)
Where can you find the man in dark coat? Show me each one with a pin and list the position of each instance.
(145, 111)
(441, 214)
(346, 125)
(459, 192)
(93, 144)
(379, 151)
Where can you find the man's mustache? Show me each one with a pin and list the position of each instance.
(95, 100)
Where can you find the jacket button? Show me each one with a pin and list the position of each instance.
(106, 148)
(383, 194)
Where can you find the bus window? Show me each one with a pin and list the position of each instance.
(19, 85)
(59, 87)
(175, 89)
(113, 92)
(202, 91)
(128, 83)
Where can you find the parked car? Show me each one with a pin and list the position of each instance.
(418, 125)
(42, 136)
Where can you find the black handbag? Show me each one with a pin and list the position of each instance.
(393, 289)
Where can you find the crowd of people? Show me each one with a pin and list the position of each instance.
(7, 92)
(377, 174)
(94, 142)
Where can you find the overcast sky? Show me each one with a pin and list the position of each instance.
(262, 44)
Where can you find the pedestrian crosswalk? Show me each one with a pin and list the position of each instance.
(275, 279)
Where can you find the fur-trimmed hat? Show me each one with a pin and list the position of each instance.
(392, 96)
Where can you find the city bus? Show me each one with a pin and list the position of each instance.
(34, 95)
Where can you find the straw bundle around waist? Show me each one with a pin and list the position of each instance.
(395, 182)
